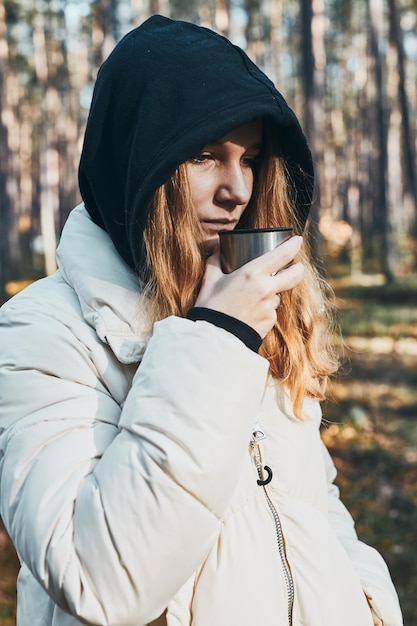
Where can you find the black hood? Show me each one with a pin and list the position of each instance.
(167, 89)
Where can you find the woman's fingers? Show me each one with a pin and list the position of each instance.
(287, 278)
(277, 259)
(278, 300)
(252, 292)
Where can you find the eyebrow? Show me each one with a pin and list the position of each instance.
(255, 146)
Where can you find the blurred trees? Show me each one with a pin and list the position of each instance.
(4, 160)
(347, 68)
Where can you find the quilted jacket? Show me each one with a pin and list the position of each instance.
(164, 476)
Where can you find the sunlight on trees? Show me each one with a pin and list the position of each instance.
(348, 69)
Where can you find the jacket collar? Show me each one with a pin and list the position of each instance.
(107, 289)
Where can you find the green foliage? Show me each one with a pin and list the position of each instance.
(8, 568)
(369, 307)
(372, 421)
(376, 320)
(403, 291)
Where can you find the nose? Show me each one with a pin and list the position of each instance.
(235, 185)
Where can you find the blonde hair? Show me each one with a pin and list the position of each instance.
(300, 347)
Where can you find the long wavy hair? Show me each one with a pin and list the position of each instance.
(300, 347)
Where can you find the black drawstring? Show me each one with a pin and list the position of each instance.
(268, 479)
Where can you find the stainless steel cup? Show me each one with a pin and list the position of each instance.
(240, 246)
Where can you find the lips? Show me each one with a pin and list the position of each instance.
(218, 225)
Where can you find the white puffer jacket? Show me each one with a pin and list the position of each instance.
(131, 493)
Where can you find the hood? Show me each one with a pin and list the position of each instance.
(167, 89)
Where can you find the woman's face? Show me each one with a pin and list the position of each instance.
(221, 178)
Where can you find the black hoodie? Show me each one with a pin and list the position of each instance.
(167, 89)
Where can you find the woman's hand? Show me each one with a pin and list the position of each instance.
(252, 292)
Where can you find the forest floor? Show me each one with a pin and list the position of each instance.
(370, 428)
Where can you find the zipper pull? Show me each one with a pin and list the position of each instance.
(258, 432)
(265, 481)
(257, 435)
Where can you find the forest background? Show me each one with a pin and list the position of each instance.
(349, 70)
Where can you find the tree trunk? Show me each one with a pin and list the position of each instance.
(307, 73)
(407, 136)
(5, 207)
(185, 10)
(276, 47)
(313, 113)
(257, 33)
(68, 128)
(394, 161)
(105, 32)
(222, 17)
(382, 210)
(48, 156)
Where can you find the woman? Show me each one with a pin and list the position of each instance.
(160, 452)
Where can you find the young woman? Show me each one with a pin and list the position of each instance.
(160, 454)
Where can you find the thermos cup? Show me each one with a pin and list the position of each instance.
(240, 246)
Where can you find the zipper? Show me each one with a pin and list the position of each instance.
(257, 435)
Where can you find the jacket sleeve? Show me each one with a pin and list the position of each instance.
(369, 564)
(113, 505)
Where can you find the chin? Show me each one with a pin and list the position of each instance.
(210, 245)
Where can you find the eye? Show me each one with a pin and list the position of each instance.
(252, 161)
(203, 157)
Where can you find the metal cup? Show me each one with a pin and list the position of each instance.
(240, 246)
